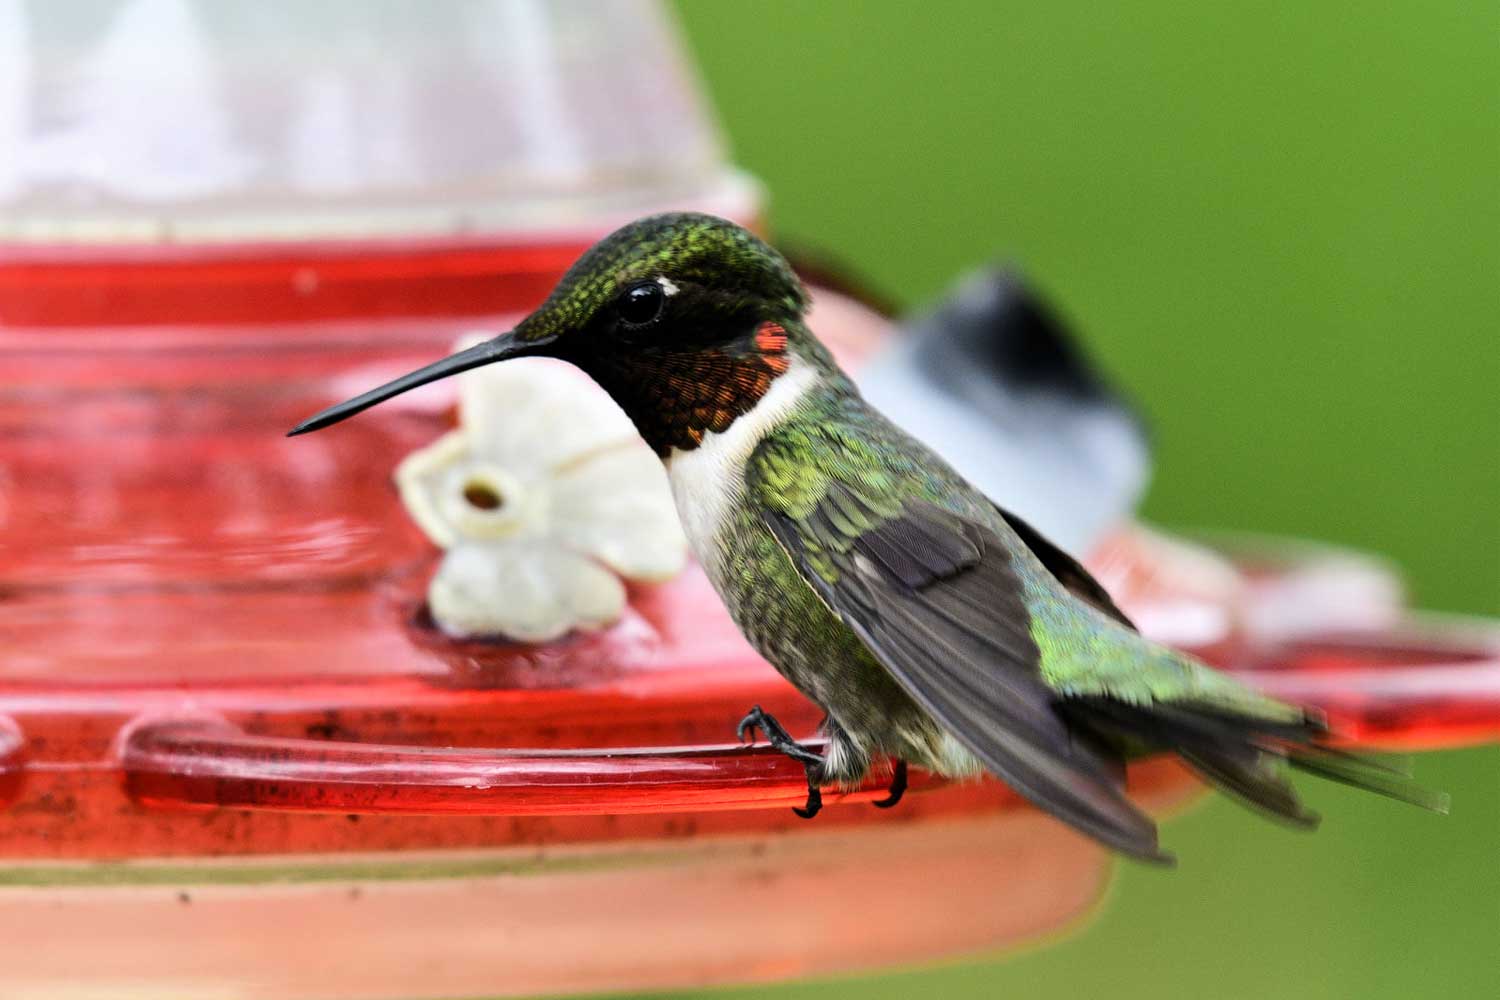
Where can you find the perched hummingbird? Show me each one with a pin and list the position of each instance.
(930, 625)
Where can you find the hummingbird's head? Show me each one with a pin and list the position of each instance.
(681, 317)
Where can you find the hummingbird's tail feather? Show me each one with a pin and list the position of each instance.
(1231, 752)
(1246, 756)
(1251, 777)
(1367, 773)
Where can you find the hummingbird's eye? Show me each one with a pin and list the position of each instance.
(641, 304)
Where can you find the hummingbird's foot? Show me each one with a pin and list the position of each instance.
(898, 787)
(778, 737)
(780, 740)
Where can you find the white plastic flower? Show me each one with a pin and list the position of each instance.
(544, 497)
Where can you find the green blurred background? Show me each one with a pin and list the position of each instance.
(1279, 226)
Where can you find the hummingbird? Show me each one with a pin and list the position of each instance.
(931, 626)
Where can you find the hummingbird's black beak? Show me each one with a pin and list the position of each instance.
(502, 348)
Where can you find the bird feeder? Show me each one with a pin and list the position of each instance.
(236, 754)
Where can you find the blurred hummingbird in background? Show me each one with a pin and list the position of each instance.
(993, 380)
(932, 627)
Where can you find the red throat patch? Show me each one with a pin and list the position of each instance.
(770, 340)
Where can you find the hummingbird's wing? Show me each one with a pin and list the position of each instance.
(936, 599)
(1069, 571)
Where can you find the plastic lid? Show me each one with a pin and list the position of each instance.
(208, 120)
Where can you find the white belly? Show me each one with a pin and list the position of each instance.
(708, 481)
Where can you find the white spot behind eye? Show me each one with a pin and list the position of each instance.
(667, 286)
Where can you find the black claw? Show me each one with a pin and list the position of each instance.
(749, 724)
(756, 718)
(759, 718)
(898, 787)
(814, 796)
